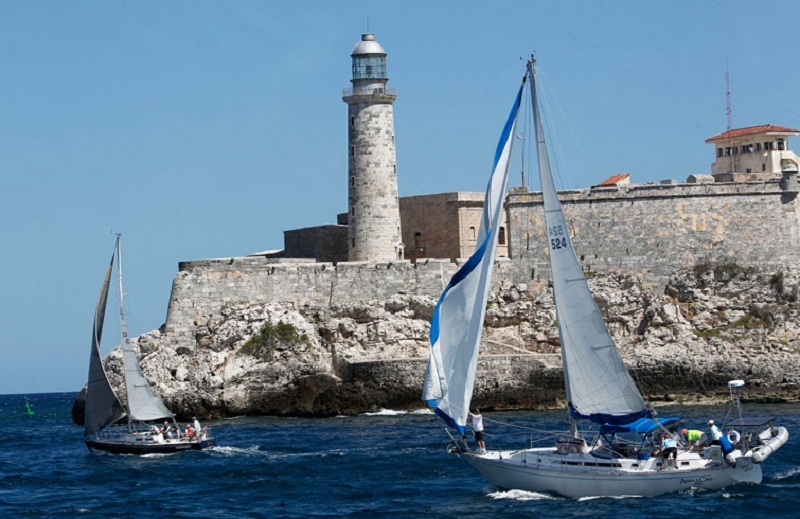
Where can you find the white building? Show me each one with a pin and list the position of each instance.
(752, 153)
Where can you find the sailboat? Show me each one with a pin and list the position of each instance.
(143, 425)
(615, 454)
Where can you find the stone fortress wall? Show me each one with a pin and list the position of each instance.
(649, 230)
(203, 288)
(656, 229)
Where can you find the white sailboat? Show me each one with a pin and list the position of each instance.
(613, 456)
(148, 429)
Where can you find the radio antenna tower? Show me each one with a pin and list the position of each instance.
(729, 116)
(728, 95)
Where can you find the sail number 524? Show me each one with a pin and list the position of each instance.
(558, 238)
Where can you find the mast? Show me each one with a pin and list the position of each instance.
(123, 326)
(598, 385)
(142, 402)
(544, 176)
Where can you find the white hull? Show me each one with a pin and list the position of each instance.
(542, 470)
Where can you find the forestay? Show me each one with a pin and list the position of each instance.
(598, 384)
(458, 317)
(143, 403)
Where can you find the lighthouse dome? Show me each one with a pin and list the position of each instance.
(368, 45)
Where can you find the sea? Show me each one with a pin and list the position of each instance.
(384, 464)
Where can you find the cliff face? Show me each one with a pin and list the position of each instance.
(682, 343)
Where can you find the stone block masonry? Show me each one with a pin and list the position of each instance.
(655, 230)
(203, 288)
(651, 231)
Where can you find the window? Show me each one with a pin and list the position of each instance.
(501, 236)
(781, 144)
(352, 151)
(758, 146)
(417, 240)
(719, 152)
(748, 170)
(472, 233)
(728, 151)
(369, 66)
(763, 166)
(352, 211)
(352, 120)
(352, 242)
(352, 181)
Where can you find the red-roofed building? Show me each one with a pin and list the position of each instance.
(615, 180)
(752, 153)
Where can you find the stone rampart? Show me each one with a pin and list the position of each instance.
(655, 230)
(203, 288)
(651, 231)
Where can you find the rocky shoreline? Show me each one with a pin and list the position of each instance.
(682, 343)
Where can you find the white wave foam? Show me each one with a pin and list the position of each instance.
(238, 451)
(592, 498)
(790, 473)
(520, 495)
(386, 412)
(423, 411)
(257, 451)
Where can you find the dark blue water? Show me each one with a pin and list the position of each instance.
(365, 466)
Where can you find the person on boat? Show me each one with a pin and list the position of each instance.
(196, 426)
(693, 437)
(189, 431)
(669, 451)
(167, 430)
(716, 434)
(476, 419)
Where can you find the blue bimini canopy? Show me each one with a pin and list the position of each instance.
(641, 426)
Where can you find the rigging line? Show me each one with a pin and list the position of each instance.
(517, 426)
(549, 122)
(558, 159)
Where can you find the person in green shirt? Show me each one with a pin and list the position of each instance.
(693, 437)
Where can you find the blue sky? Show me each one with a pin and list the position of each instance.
(205, 129)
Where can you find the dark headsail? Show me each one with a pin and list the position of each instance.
(102, 405)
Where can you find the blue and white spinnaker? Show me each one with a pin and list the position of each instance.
(458, 318)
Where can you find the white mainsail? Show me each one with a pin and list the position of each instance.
(143, 403)
(598, 384)
(458, 317)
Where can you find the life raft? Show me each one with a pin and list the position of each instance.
(777, 437)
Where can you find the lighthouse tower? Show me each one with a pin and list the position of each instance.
(373, 212)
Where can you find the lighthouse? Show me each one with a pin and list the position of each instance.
(373, 209)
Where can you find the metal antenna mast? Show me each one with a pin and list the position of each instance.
(728, 113)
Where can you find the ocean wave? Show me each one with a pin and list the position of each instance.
(258, 451)
(786, 474)
(521, 495)
(592, 498)
(386, 412)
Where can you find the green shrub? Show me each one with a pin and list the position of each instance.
(263, 344)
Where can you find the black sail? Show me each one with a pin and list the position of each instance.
(102, 405)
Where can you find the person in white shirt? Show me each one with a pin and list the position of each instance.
(669, 451)
(196, 425)
(477, 427)
(715, 433)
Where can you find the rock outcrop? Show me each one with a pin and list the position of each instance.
(681, 344)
